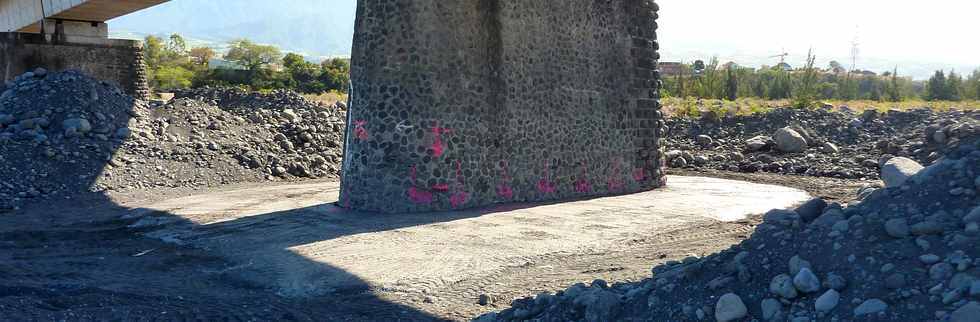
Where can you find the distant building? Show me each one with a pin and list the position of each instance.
(218, 63)
(865, 73)
(670, 68)
(784, 66)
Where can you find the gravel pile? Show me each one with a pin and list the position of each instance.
(817, 142)
(66, 133)
(908, 252)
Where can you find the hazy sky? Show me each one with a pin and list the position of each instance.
(917, 36)
(940, 31)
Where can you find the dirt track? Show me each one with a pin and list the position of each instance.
(63, 262)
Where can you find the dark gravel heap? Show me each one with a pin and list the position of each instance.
(66, 133)
(309, 135)
(838, 144)
(906, 253)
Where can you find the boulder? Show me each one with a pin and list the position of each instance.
(730, 308)
(811, 209)
(704, 140)
(828, 301)
(789, 141)
(757, 143)
(872, 306)
(968, 313)
(76, 126)
(897, 170)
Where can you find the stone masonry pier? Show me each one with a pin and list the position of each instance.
(459, 104)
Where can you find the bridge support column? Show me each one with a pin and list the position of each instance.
(460, 104)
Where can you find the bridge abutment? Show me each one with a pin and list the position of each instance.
(116, 61)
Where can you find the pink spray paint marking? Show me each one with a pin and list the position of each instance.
(545, 185)
(459, 198)
(582, 185)
(438, 147)
(417, 195)
(615, 181)
(640, 174)
(504, 191)
(360, 132)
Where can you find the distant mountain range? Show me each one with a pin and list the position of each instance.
(325, 28)
(312, 27)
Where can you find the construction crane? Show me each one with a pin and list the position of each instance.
(782, 57)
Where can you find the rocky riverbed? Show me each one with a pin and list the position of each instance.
(65, 133)
(905, 252)
(817, 142)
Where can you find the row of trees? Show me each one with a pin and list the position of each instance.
(171, 64)
(953, 87)
(710, 81)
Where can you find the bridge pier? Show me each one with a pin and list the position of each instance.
(460, 104)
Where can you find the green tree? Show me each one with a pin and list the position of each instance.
(202, 55)
(954, 87)
(152, 51)
(305, 75)
(973, 85)
(781, 85)
(177, 45)
(805, 91)
(336, 74)
(251, 55)
(171, 77)
(894, 88)
(731, 84)
(936, 87)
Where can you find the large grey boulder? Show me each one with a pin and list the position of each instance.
(782, 285)
(828, 301)
(872, 306)
(968, 313)
(897, 170)
(757, 143)
(789, 141)
(730, 308)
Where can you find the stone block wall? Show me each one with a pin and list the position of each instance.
(119, 62)
(460, 104)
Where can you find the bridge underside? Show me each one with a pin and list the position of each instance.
(27, 15)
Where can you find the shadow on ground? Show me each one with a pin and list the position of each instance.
(75, 259)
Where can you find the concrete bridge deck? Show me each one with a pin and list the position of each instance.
(27, 15)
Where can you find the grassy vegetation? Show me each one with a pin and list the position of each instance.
(746, 106)
(329, 98)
